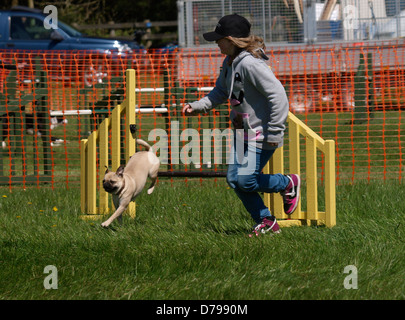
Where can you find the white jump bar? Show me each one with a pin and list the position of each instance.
(88, 112)
(150, 90)
(163, 89)
(151, 110)
(70, 113)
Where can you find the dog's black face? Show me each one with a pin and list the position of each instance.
(110, 185)
(113, 181)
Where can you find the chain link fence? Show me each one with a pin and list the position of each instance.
(296, 21)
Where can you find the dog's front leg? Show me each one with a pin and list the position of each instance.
(121, 208)
(116, 201)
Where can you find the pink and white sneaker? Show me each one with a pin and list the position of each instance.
(291, 194)
(265, 226)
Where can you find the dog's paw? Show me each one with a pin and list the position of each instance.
(150, 190)
(105, 224)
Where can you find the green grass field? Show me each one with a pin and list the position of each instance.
(190, 241)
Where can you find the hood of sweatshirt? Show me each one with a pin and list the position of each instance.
(235, 62)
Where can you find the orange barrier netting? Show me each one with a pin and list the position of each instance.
(349, 92)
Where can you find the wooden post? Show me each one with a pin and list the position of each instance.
(130, 144)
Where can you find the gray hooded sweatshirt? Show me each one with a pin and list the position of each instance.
(258, 100)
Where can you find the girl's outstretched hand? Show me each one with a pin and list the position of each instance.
(188, 110)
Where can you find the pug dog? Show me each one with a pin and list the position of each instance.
(128, 181)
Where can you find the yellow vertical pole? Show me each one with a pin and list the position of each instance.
(277, 166)
(266, 196)
(312, 188)
(116, 137)
(83, 175)
(103, 147)
(295, 157)
(92, 173)
(130, 103)
(330, 184)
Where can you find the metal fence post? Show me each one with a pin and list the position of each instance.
(309, 21)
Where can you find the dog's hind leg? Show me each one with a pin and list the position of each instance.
(152, 185)
(153, 174)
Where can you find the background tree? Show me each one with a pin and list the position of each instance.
(102, 11)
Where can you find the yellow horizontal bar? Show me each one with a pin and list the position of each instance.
(289, 223)
(307, 132)
(92, 216)
(321, 215)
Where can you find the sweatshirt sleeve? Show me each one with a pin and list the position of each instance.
(217, 96)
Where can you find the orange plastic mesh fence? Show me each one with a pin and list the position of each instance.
(349, 92)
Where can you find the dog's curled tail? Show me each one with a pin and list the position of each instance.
(144, 144)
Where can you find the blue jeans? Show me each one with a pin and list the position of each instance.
(247, 180)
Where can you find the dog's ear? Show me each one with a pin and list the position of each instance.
(106, 170)
(120, 170)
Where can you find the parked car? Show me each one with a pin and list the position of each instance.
(23, 28)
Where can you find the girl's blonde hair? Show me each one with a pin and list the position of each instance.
(253, 44)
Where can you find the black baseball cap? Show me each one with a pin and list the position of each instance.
(231, 25)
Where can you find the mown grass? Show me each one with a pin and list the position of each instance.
(190, 241)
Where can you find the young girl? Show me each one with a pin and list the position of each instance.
(259, 109)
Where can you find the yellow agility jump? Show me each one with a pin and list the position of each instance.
(88, 152)
(313, 143)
